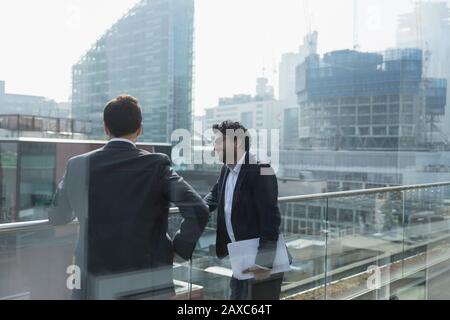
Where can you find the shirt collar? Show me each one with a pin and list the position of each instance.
(237, 167)
(122, 140)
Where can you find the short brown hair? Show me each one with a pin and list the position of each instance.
(122, 116)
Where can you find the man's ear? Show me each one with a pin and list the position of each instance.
(107, 132)
(139, 131)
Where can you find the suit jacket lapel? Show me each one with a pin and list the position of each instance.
(241, 178)
(222, 188)
(222, 234)
(250, 163)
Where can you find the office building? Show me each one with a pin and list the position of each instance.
(148, 54)
(21, 126)
(11, 103)
(289, 63)
(260, 111)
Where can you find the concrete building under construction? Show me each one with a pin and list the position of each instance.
(352, 100)
(427, 27)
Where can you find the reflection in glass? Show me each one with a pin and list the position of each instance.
(364, 245)
(8, 180)
(37, 180)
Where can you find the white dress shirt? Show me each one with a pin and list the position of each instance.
(230, 184)
(123, 140)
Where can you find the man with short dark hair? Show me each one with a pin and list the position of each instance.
(121, 195)
(122, 117)
(245, 197)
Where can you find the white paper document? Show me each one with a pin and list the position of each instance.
(243, 256)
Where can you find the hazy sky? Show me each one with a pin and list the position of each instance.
(42, 39)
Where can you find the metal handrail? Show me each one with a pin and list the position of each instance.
(352, 193)
(76, 141)
(31, 225)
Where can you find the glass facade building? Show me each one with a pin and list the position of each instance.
(148, 54)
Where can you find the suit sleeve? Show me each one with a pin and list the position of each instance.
(60, 211)
(266, 202)
(194, 211)
(212, 198)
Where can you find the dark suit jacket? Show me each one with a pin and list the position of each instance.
(255, 212)
(123, 225)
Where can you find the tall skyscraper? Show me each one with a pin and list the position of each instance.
(148, 53)
(286, 91)
(288, 64)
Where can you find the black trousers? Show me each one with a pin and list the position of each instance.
(268, 289)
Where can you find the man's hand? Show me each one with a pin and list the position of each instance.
(259, 273)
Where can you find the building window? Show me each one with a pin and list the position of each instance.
(247, 119)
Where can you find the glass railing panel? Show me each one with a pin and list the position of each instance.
(304, 228)
(8, 181)
(34, 265)
(438, 272)
(208, 272)
(36, 172)
(384, 245)
(184, 290)
(364, 245)
(33, 262)
(427, 243)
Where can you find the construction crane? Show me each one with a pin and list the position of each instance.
(356, 45)
(422, 43)
(311, 38)
(308, 18)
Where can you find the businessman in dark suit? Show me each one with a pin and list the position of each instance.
(245, 197)
(121, 196)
